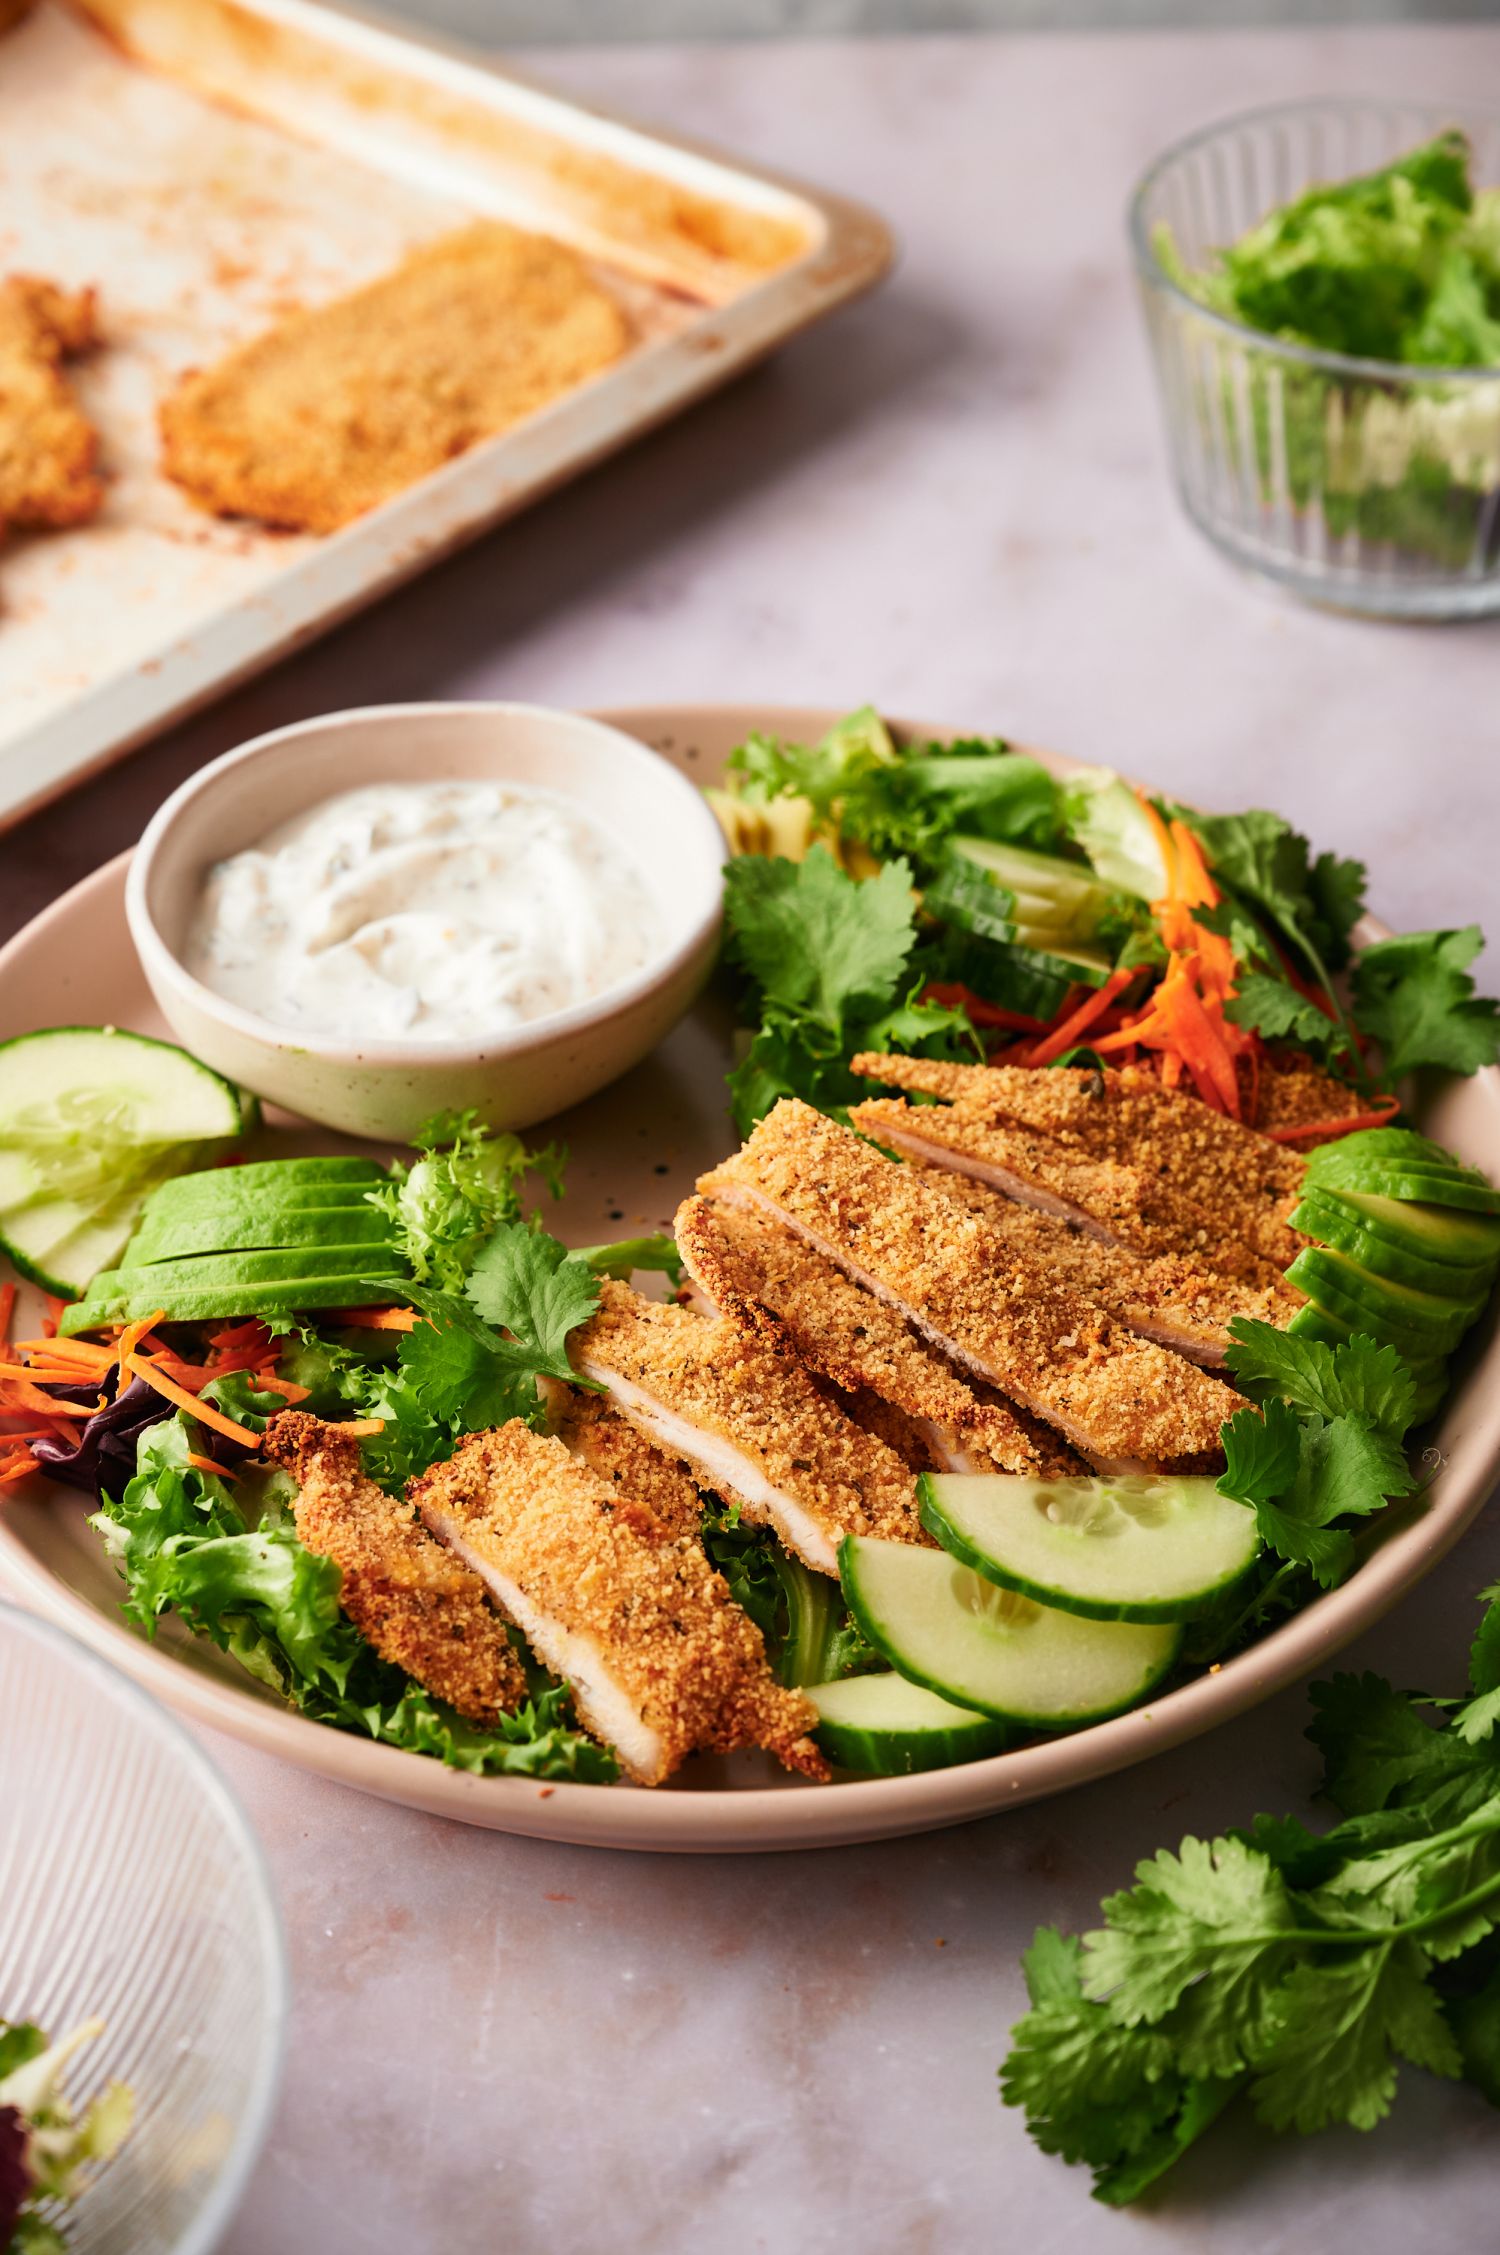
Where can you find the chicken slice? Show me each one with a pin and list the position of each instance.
(751, 1267)
(405, 1593)
(751, 1423)
(592, 1429)
(1212, 1172)
(1168, 1297)
(1120, 1205)
(1119, 1399)
(659, 1658)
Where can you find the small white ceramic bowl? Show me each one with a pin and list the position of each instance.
(384, 1089)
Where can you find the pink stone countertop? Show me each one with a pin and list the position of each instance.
(951, 502)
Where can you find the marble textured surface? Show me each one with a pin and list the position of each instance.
(951, 501)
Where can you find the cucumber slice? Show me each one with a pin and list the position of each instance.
(1138, 1547)
(1358, 1229)
(887, 1727)
(91, 1121)
(1420, 1323)
(1063, 896)
(268, 1227)
(994, 1651)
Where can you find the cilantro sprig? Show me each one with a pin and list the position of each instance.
(828, 958)
(1324, 1445)
(1297, 1969)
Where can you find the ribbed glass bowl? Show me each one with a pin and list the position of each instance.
(132, 1888)
(1363, 484)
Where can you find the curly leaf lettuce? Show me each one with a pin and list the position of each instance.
(231, 1566)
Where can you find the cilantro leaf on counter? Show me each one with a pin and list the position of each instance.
(829, 958)
(1324, 1445)
(1415, 996)
(1298, 1968)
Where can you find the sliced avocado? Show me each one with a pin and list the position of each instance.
(1440, 1233)
(275, 1174)
(270, 1227)
(1469, 1192)
(1385, 1247)
(1395, 1163)
(1421, 1323)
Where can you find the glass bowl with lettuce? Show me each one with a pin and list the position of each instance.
(1321, 283)
(143, 1983)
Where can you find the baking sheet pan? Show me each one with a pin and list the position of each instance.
(208, 165)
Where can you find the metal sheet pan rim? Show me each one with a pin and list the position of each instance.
(851, 251)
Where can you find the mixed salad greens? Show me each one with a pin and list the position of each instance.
(952, 901)
(1402, 266)
(46, 2148)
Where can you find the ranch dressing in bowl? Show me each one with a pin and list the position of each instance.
(423, 911)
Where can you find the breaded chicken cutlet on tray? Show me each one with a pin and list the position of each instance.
(972, 1422)
(358, 299)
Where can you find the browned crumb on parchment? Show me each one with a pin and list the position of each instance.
(49, 449)
(337, 409)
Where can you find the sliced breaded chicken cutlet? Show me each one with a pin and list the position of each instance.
(659, 1658)
(49, 450)
(748, 1419)
(592, 1429)
(1180, 1302)
(1115, 1151)
(1119, 1399)
(752, 1269)
(341, 407)
(403, 1591)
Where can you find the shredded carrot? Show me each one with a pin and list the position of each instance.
(1163, 839)
(206, 1414)
(253, 1331)
(18, 1393)
(133, 1333)
(82, 1351)
(19, 1468)
(271, 1384)
(359, 1427)
(371, 1319)
(56, 1309)
(1064, 1036)
(954, 997)
(207, 1464)
(1389, 1107)
(7, 1310)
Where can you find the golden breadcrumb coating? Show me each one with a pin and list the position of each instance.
(750, 1421)
(405, 1593)
(1199, 1165)
(1169, 1297)
(1297, 1095)
(751, 1269)
(49, 450)
(1123, 1205)
(1118, 1398)
(592, 1429)
(633, 1614)
(337, 409)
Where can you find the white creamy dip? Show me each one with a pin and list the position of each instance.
(440, 911)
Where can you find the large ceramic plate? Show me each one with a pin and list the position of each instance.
(635, 1150)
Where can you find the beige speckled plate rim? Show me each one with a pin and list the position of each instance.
(753, 1819)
